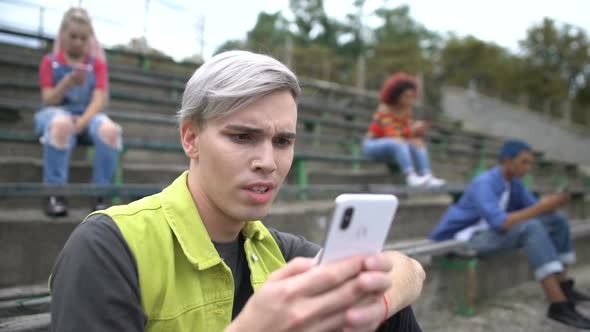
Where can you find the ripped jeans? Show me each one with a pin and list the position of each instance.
(56, 159)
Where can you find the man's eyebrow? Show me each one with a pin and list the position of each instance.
(287, 135)
(243, 128)
(254, 130)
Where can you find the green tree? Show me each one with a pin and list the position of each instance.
(231, 45)
(557, 60)
(269, 34)
(313, 25)
(354, 32)
(491, 67)
(316, 47)
(400, 44)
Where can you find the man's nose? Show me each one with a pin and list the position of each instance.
(265, 159)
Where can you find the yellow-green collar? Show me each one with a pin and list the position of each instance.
(185, 221)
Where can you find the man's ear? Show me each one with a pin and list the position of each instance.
(189, 137)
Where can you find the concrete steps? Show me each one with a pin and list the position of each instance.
(144, 166)
(31, 170)
(495, 278)
(36, 323)
(491, 116)
(30, 241)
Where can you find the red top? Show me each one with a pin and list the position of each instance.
(46, 72)
(386, 124)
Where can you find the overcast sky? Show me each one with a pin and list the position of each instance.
(172, 24)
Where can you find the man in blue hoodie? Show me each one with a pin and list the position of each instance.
(496, 213)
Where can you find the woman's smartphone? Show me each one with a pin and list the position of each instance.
(360, 224)
(82, 67)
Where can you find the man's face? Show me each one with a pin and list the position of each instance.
(243, 158)
(522, 164)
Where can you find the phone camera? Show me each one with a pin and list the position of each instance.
(346, 218)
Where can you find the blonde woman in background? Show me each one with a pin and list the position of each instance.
(74, 89)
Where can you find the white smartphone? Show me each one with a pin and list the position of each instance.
(360, 224)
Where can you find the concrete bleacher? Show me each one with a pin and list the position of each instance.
(323, 128)
(559, 139)
(457, 282)
(331, 122)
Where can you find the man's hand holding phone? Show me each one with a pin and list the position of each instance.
(344, 294)
(342, 288)
(554, 201)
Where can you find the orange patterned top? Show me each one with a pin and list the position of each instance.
(386, 124)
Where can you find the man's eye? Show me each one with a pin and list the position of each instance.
(282, 142)
(241, 138)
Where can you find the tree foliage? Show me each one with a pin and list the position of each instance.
(466, 61)
(554, 62)
(231, 45)
(313, 24)
(558, 58)
(270, 33)
(398, 44)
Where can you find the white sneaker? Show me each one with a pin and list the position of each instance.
(415, 180)
(434, 182)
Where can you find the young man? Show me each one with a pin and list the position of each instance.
(497, 213)
(195, 257)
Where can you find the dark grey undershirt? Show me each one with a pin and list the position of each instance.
(233, 255)
(95, 286)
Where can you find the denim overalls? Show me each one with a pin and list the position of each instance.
(74, 103)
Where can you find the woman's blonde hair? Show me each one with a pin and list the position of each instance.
(80, 16)
(75, 15)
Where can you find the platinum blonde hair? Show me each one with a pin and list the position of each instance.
(229, 82)
(75, 15)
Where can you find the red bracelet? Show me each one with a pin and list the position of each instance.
(386, 307)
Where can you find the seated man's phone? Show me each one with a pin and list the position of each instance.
(563, 188)
(359, 225)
